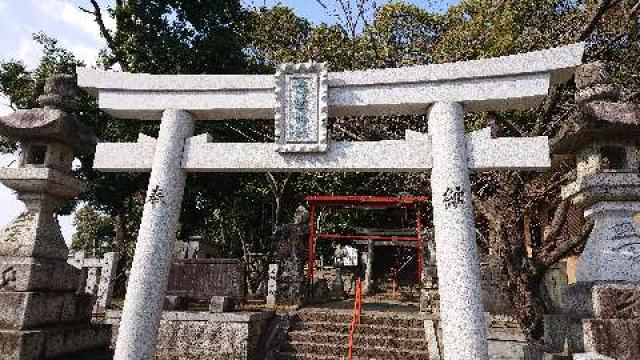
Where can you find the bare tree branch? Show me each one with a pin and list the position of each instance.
(106, 34)
(549, 105)
(559, 218)
(601, 9)
(553, 256)
(507, 123)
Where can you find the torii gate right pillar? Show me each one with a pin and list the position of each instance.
(461, 308)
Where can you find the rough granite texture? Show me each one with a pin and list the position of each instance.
(599, 318)
(612, 252)
(287, 284)
(501, 83)
(413, 154)
(150, 268)
(461, 308)
(621, 301)
(204, 336)
(618, 338)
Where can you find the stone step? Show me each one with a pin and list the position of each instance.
(339, 350)
(292, 355)
(367, 318)
(372, 330)
(390, 342)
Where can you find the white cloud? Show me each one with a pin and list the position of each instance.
(29, 52)
(4, 5)
(11, 207)
(67, 12)
(5, 107)
(83, 52)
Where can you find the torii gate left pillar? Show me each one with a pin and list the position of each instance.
(150, 268)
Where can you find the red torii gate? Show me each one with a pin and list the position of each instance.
(364, 202)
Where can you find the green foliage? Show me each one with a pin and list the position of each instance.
(23, 86)
(178, 36)
(94, 231)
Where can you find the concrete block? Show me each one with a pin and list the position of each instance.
(221, 304)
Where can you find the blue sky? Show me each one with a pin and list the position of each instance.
(77, 32)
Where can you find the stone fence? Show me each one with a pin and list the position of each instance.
(100, 277)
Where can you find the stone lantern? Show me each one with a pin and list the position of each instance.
(606, 141)
(42, 314)
(600, 317)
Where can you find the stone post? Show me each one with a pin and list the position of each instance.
(461, 308)
(147, 284)
(272, 285)
(369, 286)
(107, 280)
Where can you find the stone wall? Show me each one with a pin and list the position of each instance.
(203, 335)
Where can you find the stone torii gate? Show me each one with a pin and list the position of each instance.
(302, 97)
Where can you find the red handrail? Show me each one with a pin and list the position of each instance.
(357, 310)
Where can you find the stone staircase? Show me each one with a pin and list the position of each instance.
(324, 334)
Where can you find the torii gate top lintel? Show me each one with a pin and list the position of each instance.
(501, 83)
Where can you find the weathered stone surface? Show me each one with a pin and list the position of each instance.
(490, 84)
(612, 252)
(173, 303)
(51, 123)
(42, 314)
(594, 73)
(60, 91)
(30, 274)
(291, 254)
(494, 295)
(555, 332)
(205, 336)
(21, 345)
(200, 279)
(29, 310)
(621, 301)
(33, 234)
(52, 342)
(578, 300)
(591, 356)
(617, 338)
(617, 113)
